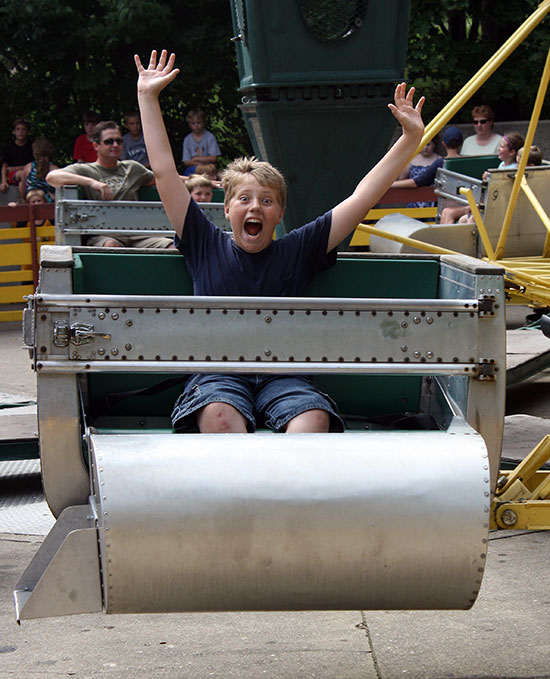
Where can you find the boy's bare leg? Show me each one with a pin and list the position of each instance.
(221, 418)
(309, 422)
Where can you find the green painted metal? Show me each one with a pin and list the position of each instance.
(19, 450)
(144, 274)
(296, 42)
(131, 274)
(316, 78)
(166, 274)
(472, 166)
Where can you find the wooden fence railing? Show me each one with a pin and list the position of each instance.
(19, 254)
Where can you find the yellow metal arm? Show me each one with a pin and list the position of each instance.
(478, 222)
(522, 498)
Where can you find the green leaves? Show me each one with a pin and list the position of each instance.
(61, 59)
(450, 40)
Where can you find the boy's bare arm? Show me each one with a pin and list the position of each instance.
(151, 81)
(347, 215)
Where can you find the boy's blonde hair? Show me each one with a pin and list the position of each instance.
(196, 181)
(263, 172)
(205, 168)
(35, 192)
(195, 113)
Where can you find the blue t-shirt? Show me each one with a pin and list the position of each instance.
(284, 269)
(426, 177)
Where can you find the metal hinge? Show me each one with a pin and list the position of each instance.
(77, 333)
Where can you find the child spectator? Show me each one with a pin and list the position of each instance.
(209, 170)
(34, 197)
(200, 145)
(38, 197)
(16, 155)
(200, 188)
(33, 175)
(535, 156)
(509, 145)
(252, 263)
(84, 150)
(133, 143)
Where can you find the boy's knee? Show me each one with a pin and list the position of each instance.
(221, 418)
(110, 243)
(309, 422)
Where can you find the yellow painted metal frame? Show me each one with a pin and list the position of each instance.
(362, 238)
(522, 497)
(527, 278)
(16, 275)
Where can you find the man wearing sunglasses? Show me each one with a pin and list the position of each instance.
(484, 142)
(110, 178)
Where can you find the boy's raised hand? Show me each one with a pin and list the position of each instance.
(154, 78)
(408, 115)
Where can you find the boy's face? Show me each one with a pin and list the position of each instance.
(196, 124)
(133, 124)
(202, 194)
(254, 211)
(36, 200)
(20, 132)
(89, 127)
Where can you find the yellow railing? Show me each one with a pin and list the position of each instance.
(19, 257)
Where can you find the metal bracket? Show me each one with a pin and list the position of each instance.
(486, 370)
(77, 333)
(486, 306)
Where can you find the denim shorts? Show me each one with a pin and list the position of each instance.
(270, 400)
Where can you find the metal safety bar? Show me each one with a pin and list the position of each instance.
(76, 218)
(95, 333)
(287, 303)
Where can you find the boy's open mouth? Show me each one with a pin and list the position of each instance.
(252, 227)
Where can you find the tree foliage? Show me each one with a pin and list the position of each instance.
(62, 59)
(450, 40)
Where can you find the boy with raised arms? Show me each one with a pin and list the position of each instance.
(253, 264)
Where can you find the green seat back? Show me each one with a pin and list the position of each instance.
(163, 274)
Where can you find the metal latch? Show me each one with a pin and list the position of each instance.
(485, 306)
(76, 217)
(77, 333)
(487, 370)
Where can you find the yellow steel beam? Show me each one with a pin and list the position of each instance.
(528, 466)
(478, 222)
(528, 191)
(543, 86)
(529, 515)
(433, 249)
(522, 497)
